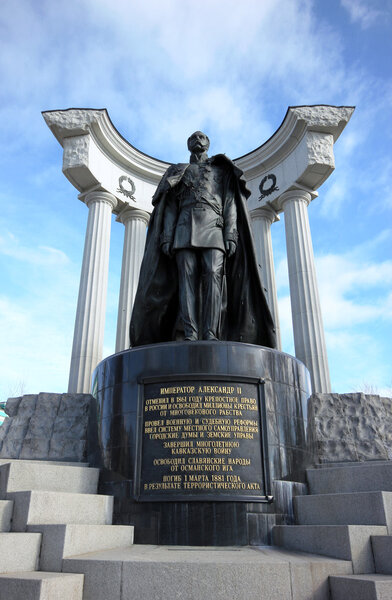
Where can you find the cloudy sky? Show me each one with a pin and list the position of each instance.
(164, 68)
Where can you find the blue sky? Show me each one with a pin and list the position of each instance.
(164, 68)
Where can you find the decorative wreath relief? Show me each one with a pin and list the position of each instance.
(272, 188)
(128, 189)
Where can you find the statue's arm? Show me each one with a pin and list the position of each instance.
(230, 233)
(169, 223)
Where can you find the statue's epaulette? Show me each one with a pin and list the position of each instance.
(171, 176)
(223, 160)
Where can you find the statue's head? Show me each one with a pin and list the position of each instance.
(198, 142)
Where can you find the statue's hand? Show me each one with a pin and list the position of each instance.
(167, 249)
(231, 247)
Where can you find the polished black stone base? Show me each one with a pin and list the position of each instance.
(212, 520)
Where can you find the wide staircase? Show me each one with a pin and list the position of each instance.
(57, 543)
(348, 515)
(50, 511)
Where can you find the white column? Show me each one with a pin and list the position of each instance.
(135, 222)
(90, 314)
(308, 327)
(262, 219)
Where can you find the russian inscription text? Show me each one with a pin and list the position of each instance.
(201, 440)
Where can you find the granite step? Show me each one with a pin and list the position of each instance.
(22, 475)
(19, 552)
(41, 508)
(144, 572)
(365, 477)
(347, 542)
(64, 463)
(6, 508)
(358, 508)
(361, 587)
(382, 552)
(38, 585)
(346, 463)
(62, 541)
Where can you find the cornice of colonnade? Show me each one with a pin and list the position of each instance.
(97, 157)
(298, 154)
(72, 122)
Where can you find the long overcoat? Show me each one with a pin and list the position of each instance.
(245, 313)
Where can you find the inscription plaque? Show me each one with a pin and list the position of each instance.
(202, 440)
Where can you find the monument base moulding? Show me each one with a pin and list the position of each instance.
(202, 443)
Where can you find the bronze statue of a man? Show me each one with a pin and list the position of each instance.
(199, 278)
(199, 229)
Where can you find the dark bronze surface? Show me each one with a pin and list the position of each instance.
(199, 277)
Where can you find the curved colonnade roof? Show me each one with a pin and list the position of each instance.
(96, 155)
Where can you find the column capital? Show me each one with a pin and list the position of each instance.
(128, 213)
(265, 212)
(295, 194)
(100, 196)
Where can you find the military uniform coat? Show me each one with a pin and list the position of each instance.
(246, 316)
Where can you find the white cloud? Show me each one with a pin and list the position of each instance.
(376, 182)
(356, 362)
(11, 246)
(356, 304)
(363, 12)
(334, 198)
(353, 289)
(39, 354)
(164, 66)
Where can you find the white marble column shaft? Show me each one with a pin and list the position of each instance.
(90, 314)
(262, 219)
(135, 222)
(308, 327)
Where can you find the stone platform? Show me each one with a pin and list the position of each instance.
(197, 573)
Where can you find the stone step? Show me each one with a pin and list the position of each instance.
(41, 508)
(348, 542)
(359, 508)
(365, 477)
(6, 507)
(37, 585)
(145, 572)
(19, 552)
(22, 475)
(328, 465)
(62, 541)
(382, 552)
(361, 587)
(4, 461)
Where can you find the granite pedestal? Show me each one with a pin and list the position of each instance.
(197, 439)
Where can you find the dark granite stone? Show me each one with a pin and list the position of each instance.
(58, 427)
(118, 386)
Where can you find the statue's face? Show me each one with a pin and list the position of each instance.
(198, 142)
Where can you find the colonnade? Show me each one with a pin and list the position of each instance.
(308, 328)
(91, 308)
(283, 175)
